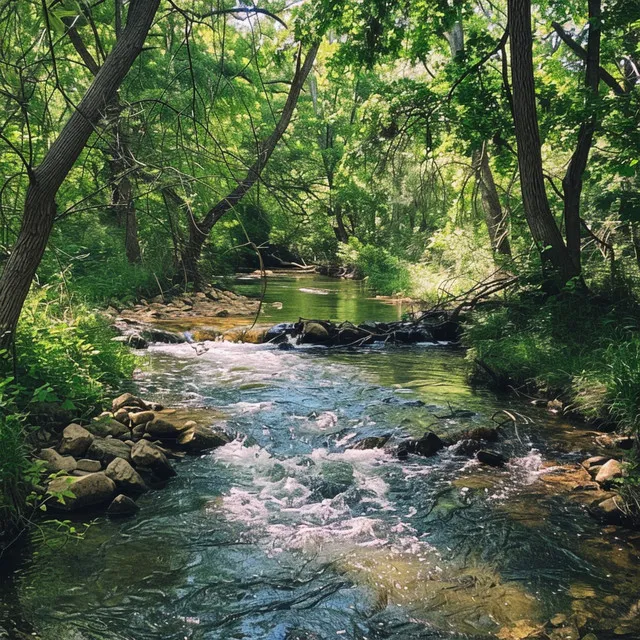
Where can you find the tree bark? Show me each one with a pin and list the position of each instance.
(572, 181)
(496, 219)
(559, 267)
(199, 230)
(46, 179)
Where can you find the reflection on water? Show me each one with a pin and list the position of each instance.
(288, 533)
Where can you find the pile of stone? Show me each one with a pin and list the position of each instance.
(605, 471)
(120, 455)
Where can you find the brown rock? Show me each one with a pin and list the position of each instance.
(141, 417)
(198, 438)
(127, 479)
(165, 429)
(609, 472)
(122, 415)
(595, 460)
(127, 400)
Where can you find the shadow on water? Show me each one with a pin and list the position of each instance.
(288, 533)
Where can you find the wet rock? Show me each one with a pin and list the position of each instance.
(127, 479)
(104, 427)
(56, 462)
(285, 346)
(141, 417)
(426, 446)
(164, 429)
(371, 442)
(314, 333)
(608, 472)
(558, 620)
(133, 340)
(107, 449)
(609, 511)
(491, 458)
(568, 632)
(90, 466)
(93, 489)
(301, 634)
(145, 454)
(153, 334)
(590, 636)
(122, 506)
(197, 438)
(75, 440)
(127, 400)
(336, 478)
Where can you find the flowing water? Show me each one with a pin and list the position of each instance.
(287, 533)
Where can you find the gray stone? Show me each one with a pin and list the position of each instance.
(127, 479)
(145, 454)
(88, 491)
(122, 506)
(104, 427)
(89, 465)
(55, 462)
(122, 415)
(106, 449)
(75, 440)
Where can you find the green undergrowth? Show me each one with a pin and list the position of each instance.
(61, 367)
(586, 351)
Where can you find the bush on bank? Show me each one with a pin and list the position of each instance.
(583, 350)
(64, 362)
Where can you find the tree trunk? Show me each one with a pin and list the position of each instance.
(46, 179)
(496, 219)
(559, 267)
(198, 231)
(572, 182)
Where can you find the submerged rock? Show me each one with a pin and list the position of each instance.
(491, 458)
(371, 442)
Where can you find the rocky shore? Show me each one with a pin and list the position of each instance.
(110, 461)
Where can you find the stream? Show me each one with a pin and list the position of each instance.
(288, 534)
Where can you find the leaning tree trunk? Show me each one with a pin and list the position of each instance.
(536, 206)
(46, 179)
(199, 230)
(572, 182)
(497, 225)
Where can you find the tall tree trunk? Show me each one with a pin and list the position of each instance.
(536, 206)
(199, 230)
(122, 195)
(46, 179)
(572, 182)
(496, 219)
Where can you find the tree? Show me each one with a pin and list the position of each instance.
(46, 179)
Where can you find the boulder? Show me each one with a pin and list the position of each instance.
(103, 427)
(491, 458)
(75, 440)
(89, 465)
(314, 333)
(609, 472)
(141, 417)
(107, 449)
(55, 462)
(145, 454)
(127, 479)
(165, 429)
(127, 400)
(371, 442)
(88, 491)
(426, 446)
(198, 438)
(122, 506)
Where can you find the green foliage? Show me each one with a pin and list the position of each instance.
(386, 274)
(583, 350)
(65, 357)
